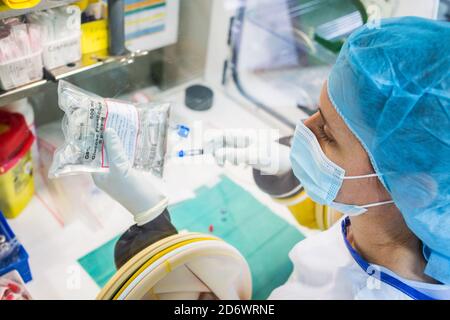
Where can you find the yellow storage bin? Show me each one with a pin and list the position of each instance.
(21, 4)
(94, 36)
(83, 4)
(16, 168)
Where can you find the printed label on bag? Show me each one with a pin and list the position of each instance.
(123, 118)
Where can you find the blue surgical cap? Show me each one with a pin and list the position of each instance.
(391, 85)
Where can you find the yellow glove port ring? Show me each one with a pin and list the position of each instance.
(309, 213)
(137, 277)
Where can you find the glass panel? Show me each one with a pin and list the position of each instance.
(159, 69)
(284, 50)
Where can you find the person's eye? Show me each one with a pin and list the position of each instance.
(322, 134)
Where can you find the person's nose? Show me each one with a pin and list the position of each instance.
(313, 123)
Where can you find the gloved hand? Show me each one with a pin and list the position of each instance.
(132, 189)
(239, 146)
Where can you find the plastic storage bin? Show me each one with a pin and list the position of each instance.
(21, 4)
(60, 52)
(18, 259)
(20, 71)
(16, 168)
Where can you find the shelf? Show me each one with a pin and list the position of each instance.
(6, 12)
(99, 61)
(21, 92)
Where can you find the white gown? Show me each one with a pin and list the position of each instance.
(326, 267)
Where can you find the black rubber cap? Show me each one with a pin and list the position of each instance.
(199, 97)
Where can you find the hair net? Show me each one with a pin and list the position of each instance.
(391, 85)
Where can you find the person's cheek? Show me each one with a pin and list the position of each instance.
(332, 153)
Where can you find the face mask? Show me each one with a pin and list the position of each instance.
(321, 177)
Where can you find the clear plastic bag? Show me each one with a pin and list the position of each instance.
(8, 249)
(142, 129)
(20, 54)
(60, 33)
(9, 245)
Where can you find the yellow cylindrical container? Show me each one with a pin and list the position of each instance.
(308, 213)
(302, 208)
(16, 168)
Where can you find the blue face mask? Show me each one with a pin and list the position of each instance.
(321, 177)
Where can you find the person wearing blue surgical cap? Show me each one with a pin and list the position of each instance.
(379, 152)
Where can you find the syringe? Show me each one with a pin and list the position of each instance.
(189, 153)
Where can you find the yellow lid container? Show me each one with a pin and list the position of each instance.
(310, 214)
(16, 168)
(17, 187)
(21, 4)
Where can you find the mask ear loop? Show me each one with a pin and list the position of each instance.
(375, 204)
(362, 176)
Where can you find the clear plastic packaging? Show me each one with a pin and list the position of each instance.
(20, 54)
(61, 34)
(63, 51)
(20, 71)
(8, 249)
(12, 287)
(72, 198)
(142, 129)
(9, 245)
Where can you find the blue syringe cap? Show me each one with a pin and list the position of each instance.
(183, 131)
